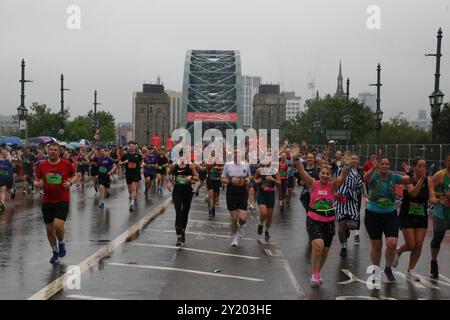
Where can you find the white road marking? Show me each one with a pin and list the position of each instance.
(195, 211)
(202, 222)
(414, 283)
(57, 285)
(206, 205)
(201, 234)
(77, 296)
(352, 277)
(196, 250)
(294, 282)
(220, 275)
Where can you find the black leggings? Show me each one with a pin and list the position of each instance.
(182, 201)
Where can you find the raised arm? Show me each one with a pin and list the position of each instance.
(308, 181)
(341, 179)
(369, 174)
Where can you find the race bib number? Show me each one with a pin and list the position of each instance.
(385, 203)
(132, 165)
(181, 180)
(150, 166)
(103, 170)
(240, 182)
(416, 209)
(3, 173)
(159, 167)
(53, 178)
(283, 173)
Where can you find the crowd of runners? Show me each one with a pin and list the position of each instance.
(335, 192)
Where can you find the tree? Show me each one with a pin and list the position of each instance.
(399, 131)
(330, 110)
(43, 122)
(82, 127)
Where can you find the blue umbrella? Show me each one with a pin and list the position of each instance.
(11, 140)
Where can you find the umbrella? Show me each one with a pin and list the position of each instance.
(11, 140)
(74, 144)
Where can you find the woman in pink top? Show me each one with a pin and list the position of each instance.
(321, 216)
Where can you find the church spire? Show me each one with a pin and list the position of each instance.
(340, 85)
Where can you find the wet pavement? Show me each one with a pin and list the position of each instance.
(149, 266)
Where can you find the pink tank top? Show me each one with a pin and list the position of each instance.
(322, 199)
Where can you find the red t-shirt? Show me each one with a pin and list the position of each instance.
(54, 176)
(367, 166)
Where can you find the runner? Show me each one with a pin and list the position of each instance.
(56, 176)
(40, 157)
(16, 162)
(235, 175)
(348, 202)
(94, 168)
(133, 161)
(161, 170)
(320, 221)
(381, 214)
(105, 168)
(413, 214)
(150, 164)
(267, 179)
(313, 171)
(283, 173)
(291, 177)
(82, 167)
(115, 156)
(213, 185)
(181, 187)
(441, 214)
(27, 169)
(6, 178)
(252, 187)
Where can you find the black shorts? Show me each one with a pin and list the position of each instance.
(411, 221)
(8, 183)
(16, 170)
(27, 171)
(104, 180)
(291, 182)
(150, 174)
(58, 210)
(134, 177)
(82, 168)
(237, 200)
(161, 171)
(94, 171)
(213, 185)
(320, 230)
(379, 223)
(266, 198)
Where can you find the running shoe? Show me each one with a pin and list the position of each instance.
(210, 214)
(55, 258)
(107, 195)
(179, 241)
(357, 238)
(267, 236)
(412, 275)
(131, 207)
(102, 205)
(315, 280)
(241, 230)
(235, 241)
(13, 194)
(343, 253)
(434, 272)
(260, 229)
(62, 249)
(396, 260)
(389, 275)
(146, 192)
(213, 212)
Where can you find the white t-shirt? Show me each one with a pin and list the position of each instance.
(231, 169)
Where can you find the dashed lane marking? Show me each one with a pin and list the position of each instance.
(294, 282)
(219, 275)
(196, 250)
(77, 296)
(202, 234)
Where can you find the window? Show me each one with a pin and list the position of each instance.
(141, 110)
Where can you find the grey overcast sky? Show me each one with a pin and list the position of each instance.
(122, 44)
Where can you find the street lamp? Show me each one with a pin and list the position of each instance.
(61, 130)
(347, 117)
(22, 111)
(317, 124)
(378, 113)
(437, 97)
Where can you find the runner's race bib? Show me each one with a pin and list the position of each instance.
(385, 203)
(214, 174)
(132, 165)
(159, 167)
(416, 209)
(53, 178)
(322, 205)
(4, 173)
(149, 166)
(181, 180)
(103, 170)
(240, 183)
(283, 173)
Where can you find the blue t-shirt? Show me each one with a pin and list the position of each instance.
(104, 164)
(6, 170)
(384, 204)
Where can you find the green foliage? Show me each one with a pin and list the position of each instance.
(443, 126)
(399, 131)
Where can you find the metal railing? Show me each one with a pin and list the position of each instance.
(434, 154)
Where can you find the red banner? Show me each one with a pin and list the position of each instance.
(212, 116)
(169, 143)
(156, 141)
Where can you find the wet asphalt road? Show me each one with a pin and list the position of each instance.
(151, 267)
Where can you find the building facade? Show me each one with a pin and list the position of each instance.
(250, 87)
(8, 125)
(151, 114)
(340, 83)
(269, 108)
(369, 100)
(293, 105)
(175, 109)
(422, 122)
